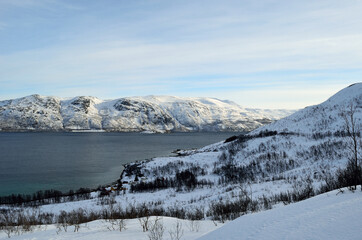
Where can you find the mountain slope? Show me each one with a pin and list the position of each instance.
(331, 215)
(32, 112)
(324, 117)
(151, 113)
(287, 160)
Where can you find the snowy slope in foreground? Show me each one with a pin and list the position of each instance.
(100, 229)
(327, 216)
(330, 216)
(150, 113)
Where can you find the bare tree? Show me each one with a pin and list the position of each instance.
(117, 224)
(176, 232)
(62, 221)
(353, 133)
(193, 225)
(145, 223)
(121, 224)
(7, 224)
(156, 230)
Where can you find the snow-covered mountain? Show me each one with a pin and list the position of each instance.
(289, 158)
(150, 113)
(322, 118)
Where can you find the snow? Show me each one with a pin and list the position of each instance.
(332, 215)
(150, 113)
(101, 229)
(322, 118)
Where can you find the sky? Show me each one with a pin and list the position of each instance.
(262, 54)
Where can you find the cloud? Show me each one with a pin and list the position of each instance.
(285, 97)
(142, 61)
(180, 47)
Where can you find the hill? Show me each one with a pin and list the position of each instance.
(289, 160)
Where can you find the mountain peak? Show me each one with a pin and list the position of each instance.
(347, 95)
(324, 117)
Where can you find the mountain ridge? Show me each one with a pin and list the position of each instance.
(131, 114)
(321, 118)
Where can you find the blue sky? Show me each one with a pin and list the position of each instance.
(265, 54)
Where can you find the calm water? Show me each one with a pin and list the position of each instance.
(64, 161)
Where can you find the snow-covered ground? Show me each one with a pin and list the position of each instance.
(333, 215)
(101, 229)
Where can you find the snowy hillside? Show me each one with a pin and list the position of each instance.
(323, 118)
(33, 112)
(332, 215)
(151, 113)
(291, 158)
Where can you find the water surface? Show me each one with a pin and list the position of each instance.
(64, 161)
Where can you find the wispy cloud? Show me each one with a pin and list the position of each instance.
(158, 61)
(181, 47)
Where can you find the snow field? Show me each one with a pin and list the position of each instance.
(333, 215)
(102, 229)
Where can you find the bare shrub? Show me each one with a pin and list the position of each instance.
(26, 220)
(156, 230)
(7, 224)
(18, 221)
(195, 214)
(78, 217)
(145, 223)
(229, 210)
(144, 212)
(349, 177)
(353, 129)
(121, 224)
(117, 224)
(193, 226)
(63, 221)
(176, 232)
(302, 190)
(266, 202)
(9, 230)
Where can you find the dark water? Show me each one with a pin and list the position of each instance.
(64, 161)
